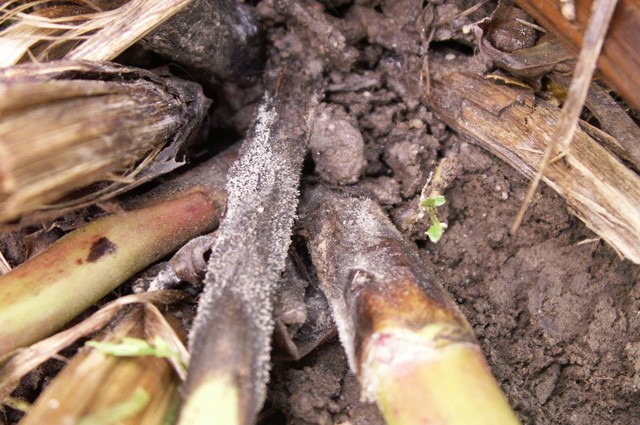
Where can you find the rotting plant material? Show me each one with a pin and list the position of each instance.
(515, 125)
(93, 260)
(85, 123)
(93, 384)
(231, 336)
(82, 30)
(554, 310)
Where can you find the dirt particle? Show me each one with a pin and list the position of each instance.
(100, 248)
(337, 146)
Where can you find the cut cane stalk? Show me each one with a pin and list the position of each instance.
(100, 127)
(96, 387)
(412, 349)
(41, 295)
(231, 338)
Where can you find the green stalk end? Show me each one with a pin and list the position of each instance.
(425, 378)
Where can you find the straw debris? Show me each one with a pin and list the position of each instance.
(87, 123)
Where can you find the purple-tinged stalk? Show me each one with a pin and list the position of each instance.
(44, 293)
(412, 349)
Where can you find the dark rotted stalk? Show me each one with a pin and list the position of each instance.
(231, 337)
(47, 291)
(412, 349)
(220, 37)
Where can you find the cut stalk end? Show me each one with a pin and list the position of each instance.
(214, 401)
(423, 377)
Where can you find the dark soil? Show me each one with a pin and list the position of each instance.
(556, 310)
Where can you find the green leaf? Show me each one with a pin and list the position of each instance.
(434, 202)
(429, 203)
(135, 347)
(435, 232)
(439, 201)
(128, 347)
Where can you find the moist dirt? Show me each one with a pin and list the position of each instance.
(557, 312)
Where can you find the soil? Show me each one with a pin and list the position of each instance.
(555, 309)
(557, 312)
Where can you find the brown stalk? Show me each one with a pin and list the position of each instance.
(67, 125)
(619, 61)
(602, 11)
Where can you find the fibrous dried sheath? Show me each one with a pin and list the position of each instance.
(230, 340)
(93, 383)
(404, 336)
(66, 125)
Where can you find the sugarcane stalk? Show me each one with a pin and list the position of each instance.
(42, 294)
(100, 127)
(409, 344)
(231, 337)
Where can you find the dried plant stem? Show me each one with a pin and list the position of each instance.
(231, 337)
(405, 338)
(619, 61)
(82, 32)
(42, 294)
(101, 388)
(602, 11)
(26, 359)
(87, 123)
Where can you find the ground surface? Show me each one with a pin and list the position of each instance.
(556, 311)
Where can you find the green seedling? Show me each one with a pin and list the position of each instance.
(136, 347)
(430, 205)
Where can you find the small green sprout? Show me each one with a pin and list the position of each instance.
(135, 347)
(430, 205)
